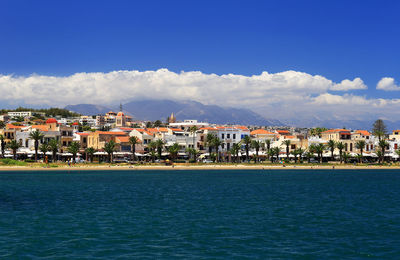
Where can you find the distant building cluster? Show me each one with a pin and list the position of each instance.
(96, 131)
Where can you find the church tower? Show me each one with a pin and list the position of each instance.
(120, 119)
(172, 118)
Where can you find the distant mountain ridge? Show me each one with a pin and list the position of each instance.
(161, 109)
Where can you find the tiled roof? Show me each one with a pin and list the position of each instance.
(122, 139)
(363, 132)
(261, 132)
(11, 126)
(110, 133)
(335, 131)
(43, 128)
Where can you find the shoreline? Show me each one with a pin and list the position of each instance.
(199, 167)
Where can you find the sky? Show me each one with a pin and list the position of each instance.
(286, 59)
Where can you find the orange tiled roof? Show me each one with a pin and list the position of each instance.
(122, 139)
(43, 128)
(83, 134)
(208, 128)
(110, 133)
(289, 136)
(11, 126)
(176, 130)
(261, 132)
(163, 129)
(126, 128)
(283, 131)
(363, 132)
(241, 127)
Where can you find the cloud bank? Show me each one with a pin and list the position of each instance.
(284, 95)
(387, 84)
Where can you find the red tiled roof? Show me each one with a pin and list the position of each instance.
(283, 131)
(11, 126)
(82, 134)
(43, 128)
(110, 133)
(51, 121)
(363, 132)
(122, 139)
(241, 127)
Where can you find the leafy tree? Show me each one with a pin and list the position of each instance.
(247, 142)
(379, 129)
(14, 145)
(109, 148)
(360, 146)
(340, 146)
(287, 144)
(2, 124)
(74, 149)
(54, 145)
(173, 151)
(157, 123)
(36, 136)
(317, 131)
(331, 145)
(133, 140)
(90, 152)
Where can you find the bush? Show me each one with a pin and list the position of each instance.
(29, 160)
(8, 161)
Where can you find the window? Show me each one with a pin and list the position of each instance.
(228, 136)
(351, 147)
(234, 136)
(222, 136)
(228, 146)
(64, 143)
(293, 146)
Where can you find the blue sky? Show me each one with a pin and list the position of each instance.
(336, 39)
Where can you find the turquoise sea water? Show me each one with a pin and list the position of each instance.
(200, 214)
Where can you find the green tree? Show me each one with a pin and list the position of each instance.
(340, 146)
(54, 145)
(209, 142)
(157, 123)
(309, 155)
(109, 148)
(382, 144)
(268, 146)
(217, 143)
(90, 152)
(287, 144)
(256, 145)
(44, 148)
(247, 142)
(346, 157)
(276, 151)
(133, 140)
(159, 145)
(318, 149)
(14, 145)
(36, 136)
(74, 149)
(297, 152)
(379, 129)
(331, 145)
(173, 151)
(360, 146)
(152, 149)
(235, 151)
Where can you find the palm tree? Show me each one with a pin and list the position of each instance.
(74, 149)
(331, 145)
(152, 146)
(217, 143)
(360, 146)
(159, 145)
(90, 152)
(309, 155)
(109, 148)
(276, 151)
(297, 152)
(44, 148)
(173, 151)
(209, 142)
(193, 130)
(287, 143)
(398, 152)
(346, 157)
(3, 145)
(189, 151)
(54, 145)
(36, 136)
(256, 145)
(133, 140)
(246, 141)
(14, 145)
(320, 150)
(268, 146)
(340, 146)
(235, 151)
(382, 144)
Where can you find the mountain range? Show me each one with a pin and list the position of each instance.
(161, 109)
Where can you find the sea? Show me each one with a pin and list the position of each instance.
(200, 214)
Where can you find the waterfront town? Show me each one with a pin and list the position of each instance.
(116, 137)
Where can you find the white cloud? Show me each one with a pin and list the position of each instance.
(284, 95)
(387, 84)
(346, 85)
